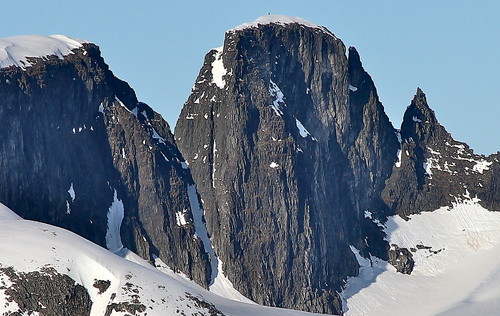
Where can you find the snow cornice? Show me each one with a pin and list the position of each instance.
(15, 51)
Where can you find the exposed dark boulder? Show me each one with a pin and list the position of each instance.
(401, 259)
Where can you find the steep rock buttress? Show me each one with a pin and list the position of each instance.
(289, 146)
(80, 152)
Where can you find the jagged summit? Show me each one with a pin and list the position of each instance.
(419, 104)
(419, 120)
(279, 20)
(15, 51)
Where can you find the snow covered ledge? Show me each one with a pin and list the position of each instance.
(15, 50)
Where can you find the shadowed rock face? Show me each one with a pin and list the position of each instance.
(76, 141)
(288, 149)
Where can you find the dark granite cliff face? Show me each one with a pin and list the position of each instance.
(435, 170)
(289, 146)
(77, 147)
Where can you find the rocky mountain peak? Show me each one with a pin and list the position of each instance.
(433, 168)
(82, 153)
(420, 122)
(283, 132)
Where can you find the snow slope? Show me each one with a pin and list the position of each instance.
(15, 50)
(31, 246)
(457, 266)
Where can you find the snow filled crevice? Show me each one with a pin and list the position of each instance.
(214, 169)
(398, 163)
(157, 136)
(15, 50)
(278, 96)
(99, 300)
(115, 218)
(457, 265)
(399, 153)
(201, 229)
(219, 283)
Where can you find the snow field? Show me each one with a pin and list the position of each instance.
(37, 245)
(457, 266)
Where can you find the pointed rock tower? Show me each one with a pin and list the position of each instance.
(435, 170)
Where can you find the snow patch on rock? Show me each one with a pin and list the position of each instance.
(278, 96)
(180, 218)
(416, 119)
(482, 165)
(303, 131)
(218, 70)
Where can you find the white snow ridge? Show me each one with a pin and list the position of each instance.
(15, 50)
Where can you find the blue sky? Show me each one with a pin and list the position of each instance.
(448, 48)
